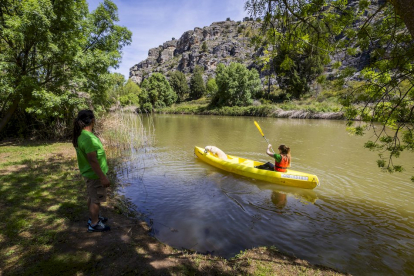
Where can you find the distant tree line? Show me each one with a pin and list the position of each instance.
(233, 85)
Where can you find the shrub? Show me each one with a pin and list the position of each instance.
(204, 47)
(236, 85)
(146, 107)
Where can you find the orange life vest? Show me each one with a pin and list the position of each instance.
(283, 164)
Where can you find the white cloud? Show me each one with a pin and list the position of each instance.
(153, 22)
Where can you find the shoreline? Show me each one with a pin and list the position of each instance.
(43, 198)
(272, 111)
(277, 113)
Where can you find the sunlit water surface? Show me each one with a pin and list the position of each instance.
(359, 220)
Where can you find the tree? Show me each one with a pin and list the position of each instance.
(386, 31)
(116, 84)
(289, 52)
(296, 71)
(211, 87)
(179, 84)
(156, 93)
(405, 10)
(51, 51)
(236, 85)
(197, 87)
(129, 93)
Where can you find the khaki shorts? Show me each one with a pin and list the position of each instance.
(96, 192)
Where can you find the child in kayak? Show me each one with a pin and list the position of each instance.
(282, 159)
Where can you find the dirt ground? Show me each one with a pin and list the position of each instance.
(128, 249)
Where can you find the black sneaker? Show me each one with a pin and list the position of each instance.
(99, 227)
(103, 219)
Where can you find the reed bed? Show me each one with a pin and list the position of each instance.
(121, 131)
(127, 138)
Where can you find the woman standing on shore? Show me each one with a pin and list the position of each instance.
(93, 167)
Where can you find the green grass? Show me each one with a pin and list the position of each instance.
(41, 192)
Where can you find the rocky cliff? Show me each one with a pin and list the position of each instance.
(225, 42)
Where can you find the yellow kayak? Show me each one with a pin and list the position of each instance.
(246, 167)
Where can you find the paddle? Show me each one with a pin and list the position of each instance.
(261, 132)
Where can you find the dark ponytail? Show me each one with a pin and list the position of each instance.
(284, 150)
(84, 119)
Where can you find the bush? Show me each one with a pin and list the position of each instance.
(146, 107)
(236, 85)
(157, 91)
(204, 47)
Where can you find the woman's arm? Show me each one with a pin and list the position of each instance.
(93, 161)
(271, 154)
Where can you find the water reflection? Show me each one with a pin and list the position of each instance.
(279, 200)
(303, 195)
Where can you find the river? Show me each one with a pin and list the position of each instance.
(359, 220)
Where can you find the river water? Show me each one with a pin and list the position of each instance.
(359, 220)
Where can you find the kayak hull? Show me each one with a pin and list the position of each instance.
(246, 167)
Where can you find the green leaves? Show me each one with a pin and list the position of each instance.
(179, 84)
(287, 63)
(197, 87)
(156, 93)
(307, 32)
(53, 50)
(236, 85)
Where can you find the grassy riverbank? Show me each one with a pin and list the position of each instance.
(307, 108)
(43, 228)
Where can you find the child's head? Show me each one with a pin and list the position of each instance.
(284, 149)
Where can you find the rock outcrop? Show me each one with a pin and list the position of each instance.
(225, 42)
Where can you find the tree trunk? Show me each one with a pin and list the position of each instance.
(9, 113)
(405, 9)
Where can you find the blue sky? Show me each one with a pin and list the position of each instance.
(153, 22)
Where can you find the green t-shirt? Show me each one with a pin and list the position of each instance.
(87, 143)
(278, 157)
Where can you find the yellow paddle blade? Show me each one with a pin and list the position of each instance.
(258, 127)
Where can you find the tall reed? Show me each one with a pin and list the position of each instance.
(125, 131)
(127, 137)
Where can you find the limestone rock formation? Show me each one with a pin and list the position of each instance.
(226, 41)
